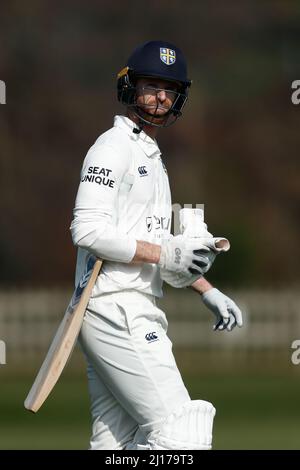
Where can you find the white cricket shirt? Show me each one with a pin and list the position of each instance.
(123, 196)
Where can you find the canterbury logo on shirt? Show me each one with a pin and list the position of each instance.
(151, 337)
(98, 175)
(142, 171)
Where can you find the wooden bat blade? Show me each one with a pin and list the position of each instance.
(63, 342)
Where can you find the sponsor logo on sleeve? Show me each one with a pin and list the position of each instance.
(101, 176)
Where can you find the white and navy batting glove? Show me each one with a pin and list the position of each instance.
(227, 313)
(185, 255)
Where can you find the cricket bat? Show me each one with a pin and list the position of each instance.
(65, 338)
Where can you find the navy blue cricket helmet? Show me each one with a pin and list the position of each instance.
(157, 59)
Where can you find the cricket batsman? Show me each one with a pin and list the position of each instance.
(122, 215)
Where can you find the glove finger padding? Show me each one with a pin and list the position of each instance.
(232, 323)
(199, 260)
(237, 314)
(202, 260)
(179, 254)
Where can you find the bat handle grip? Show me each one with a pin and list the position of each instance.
(217, 244)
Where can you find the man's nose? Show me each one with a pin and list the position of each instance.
(161, 95)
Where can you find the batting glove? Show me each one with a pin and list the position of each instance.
(227, 313)
(187, 256)
(178, 280)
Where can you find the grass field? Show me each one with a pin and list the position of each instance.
(252, 413)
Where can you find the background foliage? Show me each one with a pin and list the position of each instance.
(235, 149)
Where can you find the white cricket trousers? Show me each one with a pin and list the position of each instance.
(134, 382)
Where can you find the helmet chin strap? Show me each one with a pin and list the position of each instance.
(138, 130)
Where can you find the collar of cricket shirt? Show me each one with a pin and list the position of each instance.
(148, 145)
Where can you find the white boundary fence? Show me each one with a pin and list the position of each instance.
(29, 318)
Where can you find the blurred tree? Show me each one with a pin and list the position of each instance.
(235, 149)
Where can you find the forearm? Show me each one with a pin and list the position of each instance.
(102, 239)
(146, 253)
(201, 285)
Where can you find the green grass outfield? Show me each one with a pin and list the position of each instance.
(252, 412)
